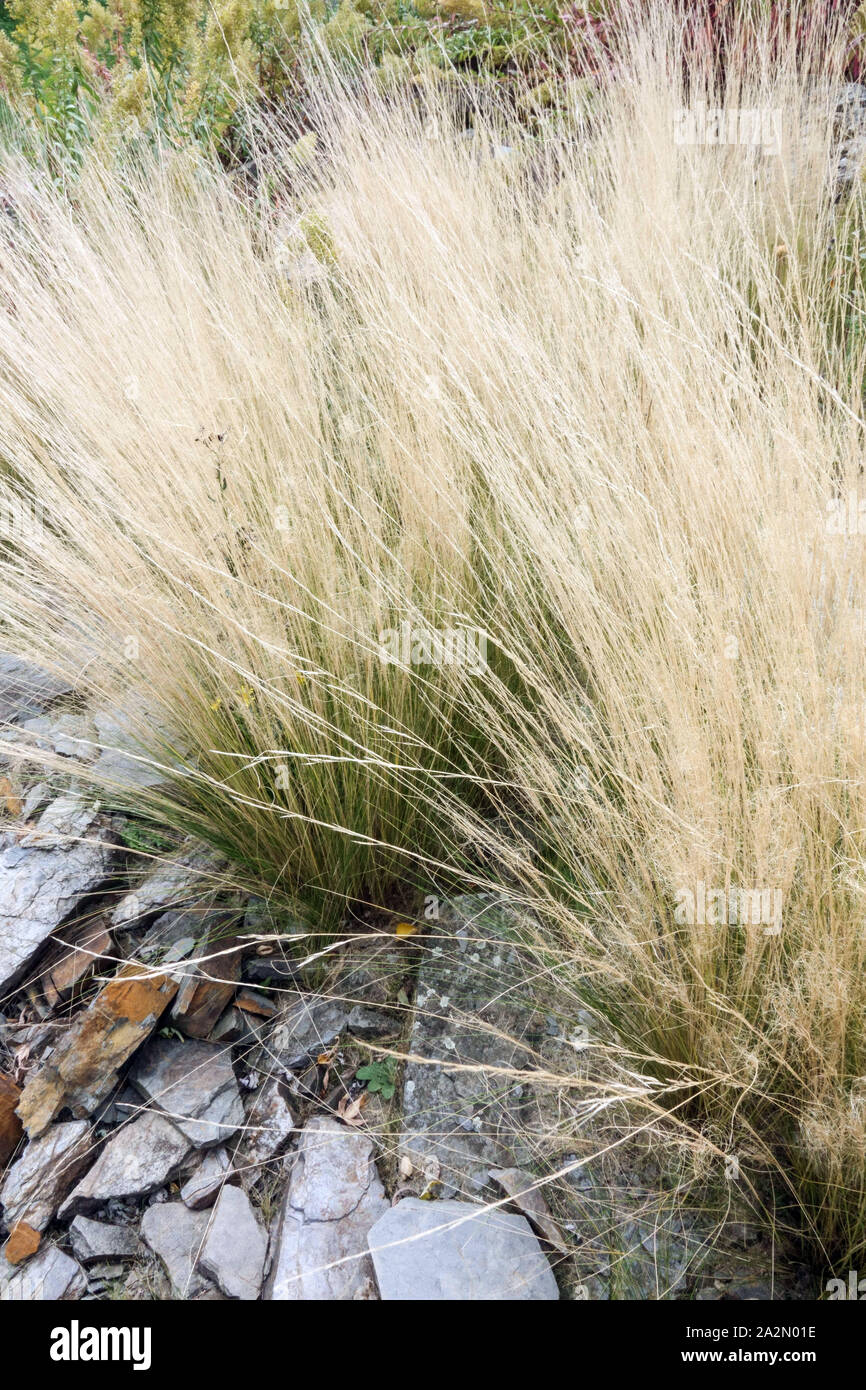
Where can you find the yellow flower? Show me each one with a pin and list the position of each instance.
(58, 28)
(132, 92)
(178, 19)
(246, 694)
(227, 32)
(97, 27)
(464, 9)
(216, 703)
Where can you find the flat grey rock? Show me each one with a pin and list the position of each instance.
(194, 1084)
(235, 1246)
(319, 1244)
(49, 1166)
(45, 877)
(49, 1276)
(372, 1023)
(201, 1188)
(70, 735)
(26, 690)
(471, 1011)
(93, 1241)
(176, 1235)
(139, 1158)
(306, 1023)
(184, 880)
(456, 1251)
(123, 760)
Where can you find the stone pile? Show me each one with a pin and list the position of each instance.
(188, 1111)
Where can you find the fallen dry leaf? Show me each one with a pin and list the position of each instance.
(349, 1111)
(20, 1058)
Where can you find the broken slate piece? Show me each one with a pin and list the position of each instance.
(48, 1277)
(82, 1069)
(10, 1125)
(306, 1023)
(26, 690)
(234, 1027)
(93, 1241)
(214, 1171)
(195, 1085)
(45, 877)
(70, 735)
(207, 985)
(235, 1246)
(170, 883)
(79, 950)
(456, 1251)
(138, 1158)
(273, 969)
(253, 1001)
(320, 1238)
(123, 760)
(372, 1023)
(176, 1235)
(49, 1166)
(174, 933)
(23, 1242)
(528, 1197)
(268, 1128)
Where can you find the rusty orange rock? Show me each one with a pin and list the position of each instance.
(83, 1067)
(207, 989)
(10, 1125)
(22, 1243)
(253, 1002)
(78, 951)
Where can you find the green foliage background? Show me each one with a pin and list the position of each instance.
(183, 67)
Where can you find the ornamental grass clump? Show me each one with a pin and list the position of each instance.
(590, 403)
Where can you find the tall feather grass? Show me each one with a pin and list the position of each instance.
(585, 396)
